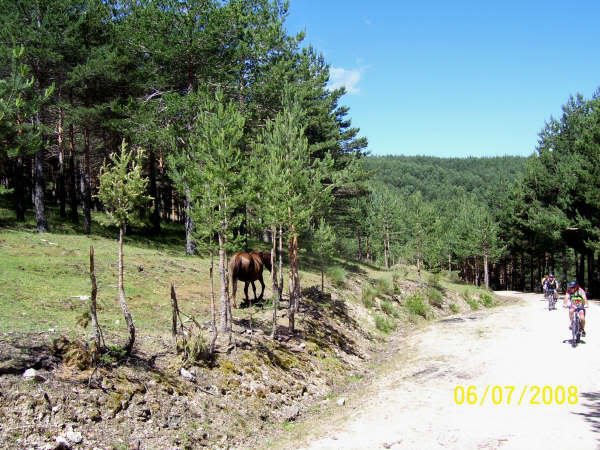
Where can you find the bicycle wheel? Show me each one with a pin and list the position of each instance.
(575, 329)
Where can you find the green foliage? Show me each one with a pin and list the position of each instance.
(389, 308)
(368, 295)
(384, 324)
(486, 299)
(383, 287)
(473, 303)
(435, 297)
(337, 275)
(435, 281)
(454, 308)
(415, 305)
(122, 185)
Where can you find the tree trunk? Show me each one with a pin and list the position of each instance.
(590, 273)
(190, 245)
(385, 251)
(486, 275)
(275, 288)
(128, 319)
(449, 263)
(522, 273)
(155, 216)
(87, 189)
(96, 331)
(280, 261)
(565, 264)
(581, 277)
(19, 189)
(360, 254)
(40, 216)
(224, 285)
(72, 177)
(297, 292)
(291, 288)
(213, 307)
(60, 179)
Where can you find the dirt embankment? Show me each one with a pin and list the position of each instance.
(238, 400)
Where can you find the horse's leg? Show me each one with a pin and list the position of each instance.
(262, 284)
(254, 290)
(234, 282)
(246, 292)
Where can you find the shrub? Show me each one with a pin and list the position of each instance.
(470, 301)
(453, 277)
(383, 286)
(388, 308)
(453, 308)
(368, 295)
(396, 282)
(415, 305)
(435, 281)
(486, 299)
(384, 324)
(435, 297)
(337, 275)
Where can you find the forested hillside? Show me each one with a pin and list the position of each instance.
(444, 178)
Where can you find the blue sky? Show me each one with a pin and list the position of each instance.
(454, 78)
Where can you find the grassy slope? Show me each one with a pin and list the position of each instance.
(41, 273)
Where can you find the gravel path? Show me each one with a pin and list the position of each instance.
(413, 405)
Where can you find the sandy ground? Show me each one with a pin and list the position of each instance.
(524, 345)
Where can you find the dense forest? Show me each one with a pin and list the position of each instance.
(236, 134)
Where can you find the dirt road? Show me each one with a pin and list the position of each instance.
(523, 345)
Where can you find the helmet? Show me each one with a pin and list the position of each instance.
(551, 275)
(572, 284)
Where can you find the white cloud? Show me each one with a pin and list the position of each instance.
(368, 21)
(347, 78)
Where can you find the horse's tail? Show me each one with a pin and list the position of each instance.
(234, 267)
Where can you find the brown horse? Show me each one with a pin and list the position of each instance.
(248, 267)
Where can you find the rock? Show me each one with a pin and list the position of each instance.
(62, 443)
(341, 401)
(290, 413)
(187, 375)
(302, 345)
(75, 437)
(94, 415)
(32, 374)
(56, 409)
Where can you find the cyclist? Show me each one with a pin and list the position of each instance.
(545, 281)
(575, 297)
(552, 285)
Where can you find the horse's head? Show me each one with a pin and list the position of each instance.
(266, 260)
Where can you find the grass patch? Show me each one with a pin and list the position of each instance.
(337, 275)
(384, 324)
(454, 308)
(486, 299)
(416, 305)
(389, 308)
(435, 281)
(368, 295)
(473, 303)
(435, 297)
(383, 286)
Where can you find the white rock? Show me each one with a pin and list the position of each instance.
(61, 442)
(32, 374)
(75, 437)
(187, 374)
(341, 401)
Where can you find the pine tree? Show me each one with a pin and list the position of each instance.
(122, 188)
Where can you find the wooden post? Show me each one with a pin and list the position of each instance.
(174, 310)
(97, 332)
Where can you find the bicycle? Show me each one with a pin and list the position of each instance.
(576, 326)
(552, 298)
